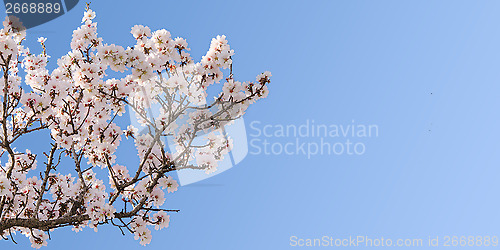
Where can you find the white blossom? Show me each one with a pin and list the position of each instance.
(77, 103)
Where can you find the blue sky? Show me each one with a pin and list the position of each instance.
(425, 72)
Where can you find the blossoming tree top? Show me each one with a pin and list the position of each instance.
(78, 104)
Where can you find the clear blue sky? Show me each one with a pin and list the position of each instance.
(425, 72)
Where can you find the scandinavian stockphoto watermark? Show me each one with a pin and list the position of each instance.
(437, 241)
(307, 139)
(310, 138)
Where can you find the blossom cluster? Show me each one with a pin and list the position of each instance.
(78, 104)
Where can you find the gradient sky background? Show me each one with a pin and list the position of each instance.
(426, 72)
